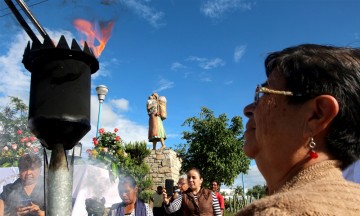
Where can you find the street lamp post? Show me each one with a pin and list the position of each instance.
(101, 91)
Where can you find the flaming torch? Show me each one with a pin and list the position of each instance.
(59, 108)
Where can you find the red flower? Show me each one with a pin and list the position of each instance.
(94, 139)
(116, 130)
(101, 131)
(19, 132)
(117, 138)
(32, 139)
(96, 142)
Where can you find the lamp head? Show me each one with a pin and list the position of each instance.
(102, 90)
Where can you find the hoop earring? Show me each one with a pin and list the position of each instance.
(312, 146)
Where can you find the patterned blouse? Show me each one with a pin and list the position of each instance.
(148, 212)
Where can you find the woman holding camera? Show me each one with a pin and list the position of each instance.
(196, 200)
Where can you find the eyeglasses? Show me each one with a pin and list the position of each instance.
(181, 183)
(259, 91)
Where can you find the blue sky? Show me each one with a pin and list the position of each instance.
(195, 53)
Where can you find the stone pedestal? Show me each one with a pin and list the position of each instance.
(164, 164)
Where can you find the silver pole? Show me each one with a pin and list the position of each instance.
(25, 8)
(59, 199)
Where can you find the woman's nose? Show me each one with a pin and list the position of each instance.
(249, 110)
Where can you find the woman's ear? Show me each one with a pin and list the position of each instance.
(322, 110)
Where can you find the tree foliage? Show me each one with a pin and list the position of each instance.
(214, 147)
(13, 117)
(239, 191)
(257, 191)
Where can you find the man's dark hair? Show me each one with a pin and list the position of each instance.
(313, 70)
(29, 161)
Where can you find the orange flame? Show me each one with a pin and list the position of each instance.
(91, 31)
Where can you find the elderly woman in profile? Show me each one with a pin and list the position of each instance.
(303, 130)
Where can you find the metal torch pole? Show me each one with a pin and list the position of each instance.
(99, 118)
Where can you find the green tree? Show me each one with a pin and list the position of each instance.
(214, 147)
(257, 191)
(13, 117)
(238, 190)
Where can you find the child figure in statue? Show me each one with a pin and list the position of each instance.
(156, 127)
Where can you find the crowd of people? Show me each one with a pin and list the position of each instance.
(302, 132)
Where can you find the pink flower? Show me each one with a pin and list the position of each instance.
(32, 139)
(88, 150)
(26, 139)
(22, 140)
(19, 132)
(105, 149)
(5, 148)
(117, 138)
(28, 144)
(101, 131)
(116, 130)
(36, 149)
(14, 146)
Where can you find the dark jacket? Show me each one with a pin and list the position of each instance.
(13, 195)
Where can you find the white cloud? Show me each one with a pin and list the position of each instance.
(151, 15)
(195, 58)
(217, 8)
(239, 53)
(205, 77)
(251, 179)
(121, 104)
(207, 64)
(177, 65)
(212, 63)
(164, 84)
(229, 82)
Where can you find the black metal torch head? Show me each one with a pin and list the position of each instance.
(59, 108)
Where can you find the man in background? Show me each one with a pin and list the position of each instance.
(157, 199)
